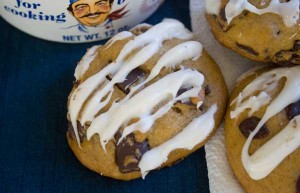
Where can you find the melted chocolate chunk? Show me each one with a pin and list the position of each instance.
(222, 20)
(289, 57)
(71, 130)
(293, 110)
(248, 125)
(81, 131)
(298, 185)
(247, 49)
(177, 110)
(182, 90)
(75, 83)
(207, 90)
(297, 45)
(131, 78)
(129, 152)
(201, 108)
(109, 77)
(223, 15)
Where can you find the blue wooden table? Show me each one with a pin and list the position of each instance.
(35, 80)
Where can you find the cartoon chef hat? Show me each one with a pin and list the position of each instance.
(72, 1)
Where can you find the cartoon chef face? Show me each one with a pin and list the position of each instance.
(90, 12)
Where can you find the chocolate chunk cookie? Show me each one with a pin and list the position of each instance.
(262, 130)
(261, 30)
(144, 100)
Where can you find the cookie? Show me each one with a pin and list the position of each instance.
(145, 100)
(262, 130)
(261, 30)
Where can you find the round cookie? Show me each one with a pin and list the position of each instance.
(144, 100)
(261, 30)
(262, 130)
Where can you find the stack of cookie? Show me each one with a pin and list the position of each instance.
(262, 123)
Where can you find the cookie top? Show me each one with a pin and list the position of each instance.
(142, 101)
(262, 130)
(261, 30)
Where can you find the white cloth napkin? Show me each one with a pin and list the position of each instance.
(221, 178)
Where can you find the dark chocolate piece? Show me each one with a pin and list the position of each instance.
(71, 130)
(177, 110)
(289, 57)
(278, 32)
(223, 15)
(75, 83)
(108, 77)
(222, 20)
(129, 152)
(81, 131)
(248, 125)
(182, 90)
(207, 90)
(247, 49)
(293, 110)
(131, 78)
(297, 45)
(201, 108)
(243, 14)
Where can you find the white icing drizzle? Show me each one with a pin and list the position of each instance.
(83, 91)
(197, 131)
(254, 103)
(289, 11)
(86, 100)
(267, 158)
(272, 153)
(85, 62)
(140, 58)
(150, 42)
(141, 105)
(293, 36)
(120, 36)
(184, 51)
(213, 6)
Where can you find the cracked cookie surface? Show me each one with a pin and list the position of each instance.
(265, 37)
(144, 100)
(265, 100)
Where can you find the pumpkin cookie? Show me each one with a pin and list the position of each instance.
(261, 30)
(262, 130)
(144, 100)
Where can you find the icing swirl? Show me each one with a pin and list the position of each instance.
(88, 98)
(85, 62)
(272, 153)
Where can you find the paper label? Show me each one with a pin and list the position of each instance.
(74, 21)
